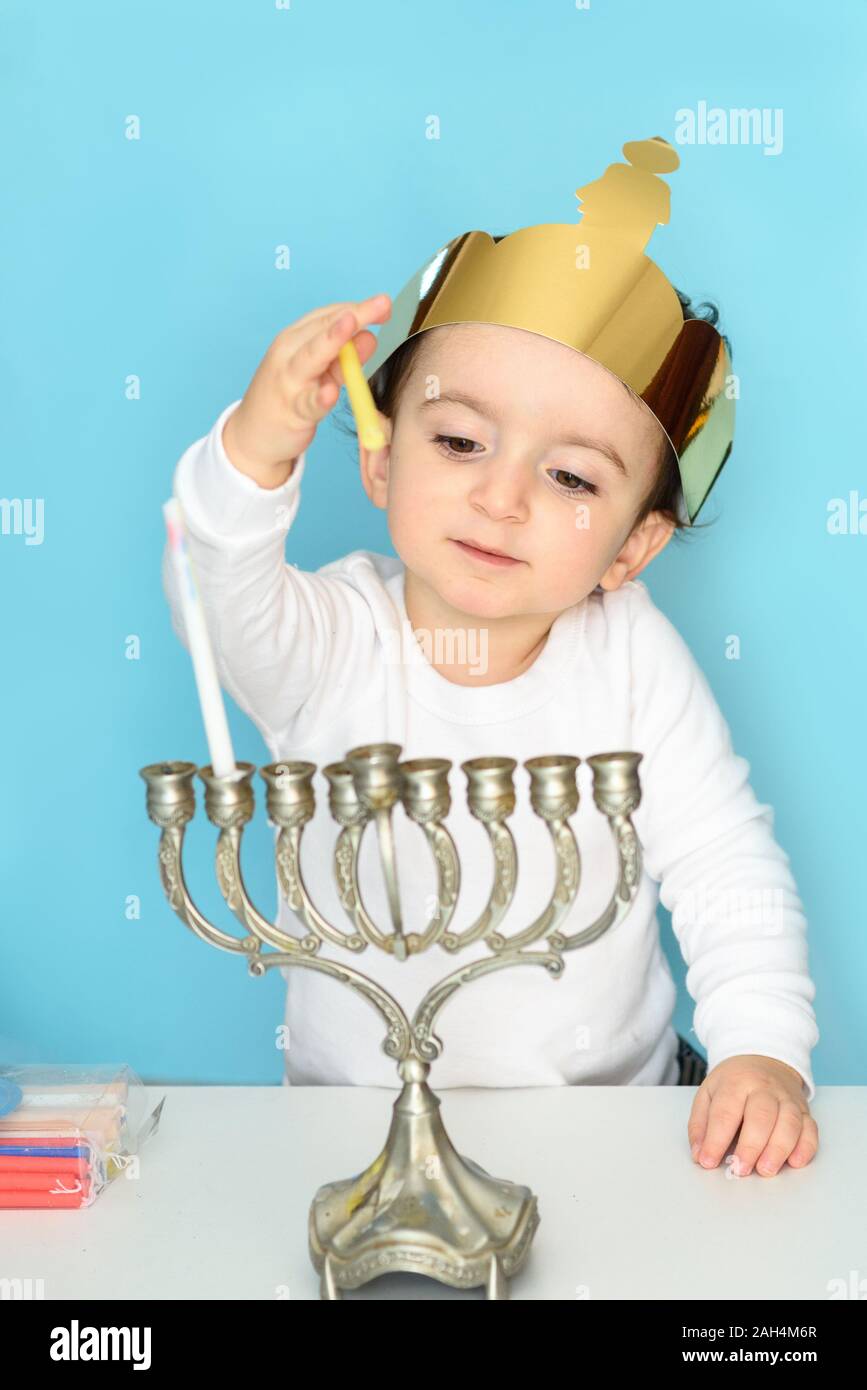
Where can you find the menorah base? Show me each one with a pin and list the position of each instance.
(421, 1208)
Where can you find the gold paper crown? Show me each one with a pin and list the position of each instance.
(590, 286)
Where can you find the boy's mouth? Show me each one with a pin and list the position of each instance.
(491, 557)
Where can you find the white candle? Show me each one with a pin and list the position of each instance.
(210, 695)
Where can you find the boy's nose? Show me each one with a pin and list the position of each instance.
(502, 491)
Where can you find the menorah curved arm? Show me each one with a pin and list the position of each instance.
(502, 890)
(399, 1041)
(231, 881)
(445, 855)
(567, 880)
(448, 871)
(491, 799)
(288, 855)
(364, 787)
(175, 888)
(229, 806)
(427, 1044)
(346, 852)
(629, 859)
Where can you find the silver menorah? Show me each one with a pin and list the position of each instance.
(420, 1206)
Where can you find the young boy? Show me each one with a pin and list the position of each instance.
(565, 653)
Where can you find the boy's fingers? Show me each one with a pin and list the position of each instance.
(314, 402)
(321, 311)
(697, 1125)
(762, 1115)
(305, 329)
(807, 1146)
(319, 351)
(785, 1131)
(315, 399)
(725, 1114)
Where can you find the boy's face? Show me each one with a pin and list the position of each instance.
(512, 474)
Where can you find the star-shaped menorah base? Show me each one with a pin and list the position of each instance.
(420, 1206)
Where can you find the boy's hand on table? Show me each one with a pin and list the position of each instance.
(767, 1099)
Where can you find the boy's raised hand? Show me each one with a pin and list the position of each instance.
(295, 385)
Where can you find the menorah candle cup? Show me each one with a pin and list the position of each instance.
(376, 774)
(290, 797)
(616, 789)
(553, 788)
(425, 792)
(228, 800)
(343, 802)
(171, 793)
(490, 787)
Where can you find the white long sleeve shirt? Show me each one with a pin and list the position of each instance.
(324, 661)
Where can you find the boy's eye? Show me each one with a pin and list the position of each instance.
(573, 483)
(449, 439)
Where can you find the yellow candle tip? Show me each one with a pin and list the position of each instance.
(370, 433)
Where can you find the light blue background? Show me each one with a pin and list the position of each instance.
(155, 257)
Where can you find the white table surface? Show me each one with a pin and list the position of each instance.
(219, 1210)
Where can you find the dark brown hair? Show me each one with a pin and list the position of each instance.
(665, 495)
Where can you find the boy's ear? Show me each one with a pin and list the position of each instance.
(374, 465)
(642, 546)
